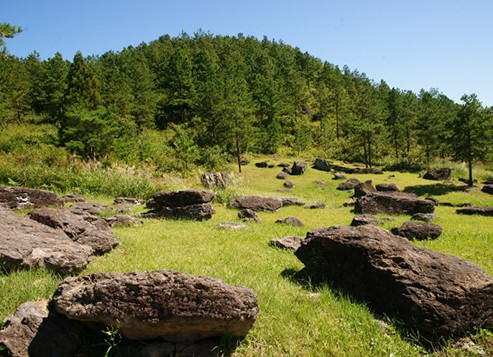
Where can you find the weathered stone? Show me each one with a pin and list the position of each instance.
(363, 188)
(158, 304)
(321, 164)
(292, 221)
(215, 180)
(25, 243)
(291, 243)
(33, 331)
(320, 183)
(256, 203)
(231, 225)
(487, 189)
(282, 176)
(17, 197)
(283, 164)
(365, 219)
(199, 212)
(393, 203)
(418, 230)
(437, 293)
(262, 164)
(128, 200)
(298, 168)
(443, 174)
(339, 176)
(316, 205)
(368, 170)
(248, 215)
(287, 170)
(89, 208)
(482, 211)
(81, 228)
(182, 198)
(71, 198)
(387, 187)
(348, 185)
(289, 184)
(123, 220)
(291, 201)
(423, 217)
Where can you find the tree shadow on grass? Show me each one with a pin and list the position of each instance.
(438, 189)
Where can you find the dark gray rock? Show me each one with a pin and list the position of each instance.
(320, 183)
(482, 211)
(418, 230)
(365, 219)
(128, 200)
(249, 215)
(25, 243)
(292, 221)
(158, 304)
(443, 174)
(71, 198)
(289, 184)
(256, 203)
(348, 185)
(291, 201)
(198, 212)
(18, 197)
(122, 220)
(291, 243)
(215, 180)
(262, 164)
(387, 187)
(283, 164)
(82, 228)
(182, 198)
(231, 225)
(423, 217)
(363, 188)
(298, 168)
(89, 208)
(487, 189)
(339, 176)
(282, 176)
(321, 164)
(436, 293)
(393, 203)
(316, 205)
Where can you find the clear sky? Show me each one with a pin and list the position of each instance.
(411, 44)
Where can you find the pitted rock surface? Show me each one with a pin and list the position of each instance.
(25, 243)
(158, 304)
(81, 228)
(418, 230)
(17, 197)
(393, 203)
(437, 293)
(182, 198)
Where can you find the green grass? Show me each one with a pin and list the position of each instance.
(294, 320)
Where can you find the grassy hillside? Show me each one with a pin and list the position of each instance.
(294, 320)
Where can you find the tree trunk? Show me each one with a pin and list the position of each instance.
(469, 159)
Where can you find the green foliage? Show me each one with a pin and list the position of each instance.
(186, 150)
(7, 31)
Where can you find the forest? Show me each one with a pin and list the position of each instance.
(178, 102)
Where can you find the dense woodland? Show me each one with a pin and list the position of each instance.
(207, 99)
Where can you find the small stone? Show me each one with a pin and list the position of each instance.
(291, 220)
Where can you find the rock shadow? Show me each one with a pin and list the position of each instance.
(438, 189)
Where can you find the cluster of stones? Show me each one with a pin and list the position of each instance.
(187, 204)
(157, 313)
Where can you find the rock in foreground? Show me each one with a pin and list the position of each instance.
(166, 304)
(437, 293)
(393, 203)
(25, 243)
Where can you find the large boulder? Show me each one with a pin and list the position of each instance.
(298, 168)
(81, 228)
(443, 174)
(215, 180)
(321, 164)
(482, 211)
(198, 212)
(363, 188)
(17, 197)
(488, 189)
(158, 304)
(257, 203)
(437, 293)
(25, 243)
(182, 198)
(393, 203)
(348, 185)
(418, 230)
(387, 187)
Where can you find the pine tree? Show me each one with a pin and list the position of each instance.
(83, 87)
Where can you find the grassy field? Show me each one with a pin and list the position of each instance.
(294, 320)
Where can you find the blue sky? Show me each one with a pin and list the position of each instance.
(411, 44)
